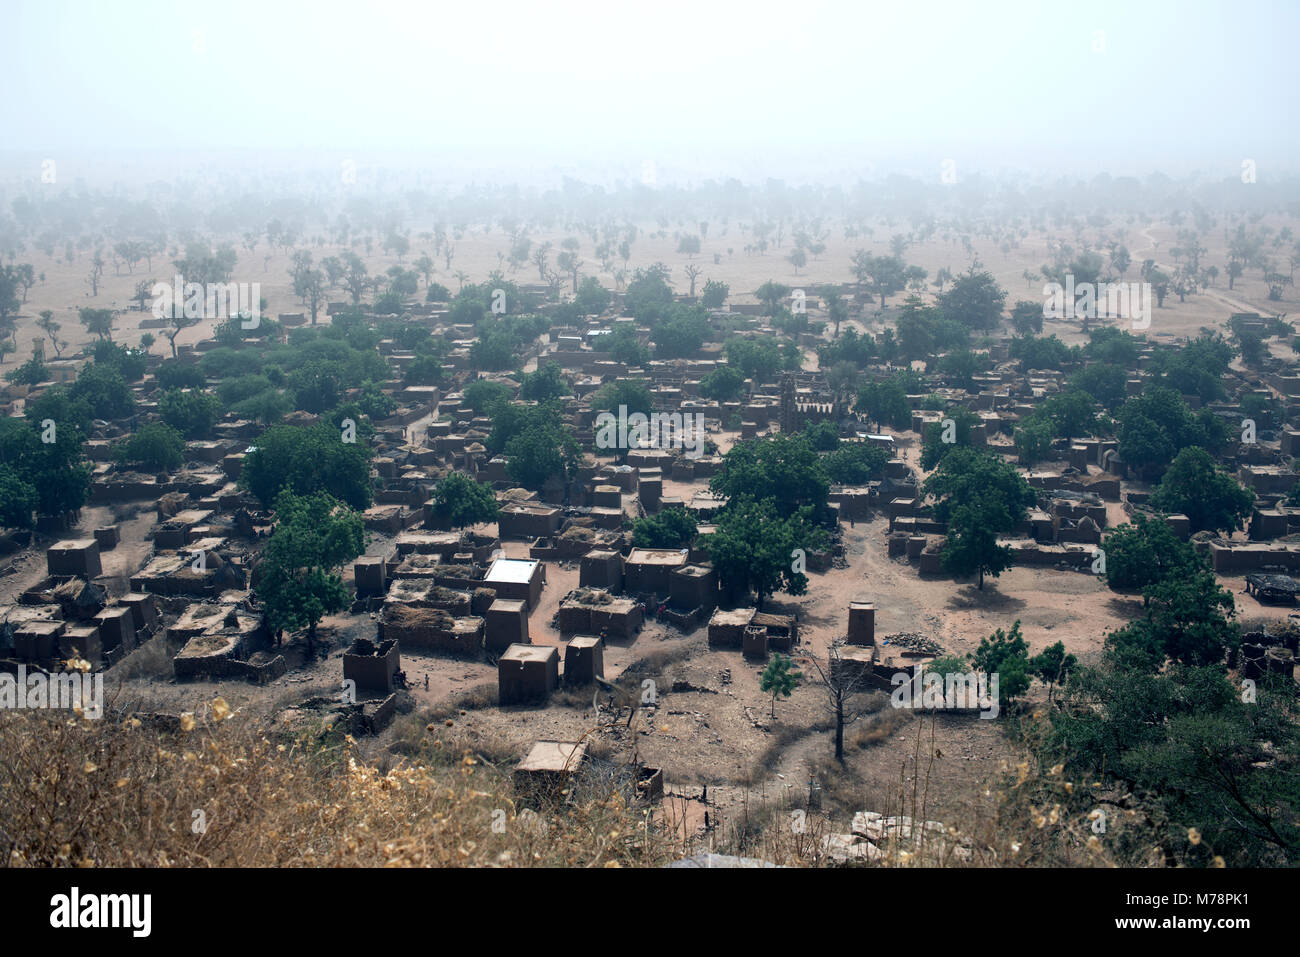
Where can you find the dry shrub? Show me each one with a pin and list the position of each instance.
(152, 659)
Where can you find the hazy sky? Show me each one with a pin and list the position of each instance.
(721, 88)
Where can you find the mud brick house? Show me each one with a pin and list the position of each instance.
(727, 628)
(178, 531)
(37, 640)
(593, 611)
(372, 667)
(649, 570)
(520, 579)
(528, 520)
(527, 673)
(431, 629)
(693, 587)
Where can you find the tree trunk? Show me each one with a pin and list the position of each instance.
(839, 727)
(981, 578)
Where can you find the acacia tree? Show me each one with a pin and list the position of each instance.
(51, 328)
(883, 275)
(98, 322)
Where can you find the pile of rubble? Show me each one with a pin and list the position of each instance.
(874, 837)
(914, 641)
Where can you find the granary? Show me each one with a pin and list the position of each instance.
(862, 622)
(79, 557)
(649, 570)
(116, 626)
(547, 770)
(601, 568)
(371, 576)
(506, 624)
(76, 597)
(584, 660)
(527, 673)
(517, 578)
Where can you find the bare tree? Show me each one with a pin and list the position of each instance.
(692, 271)
(841, 679)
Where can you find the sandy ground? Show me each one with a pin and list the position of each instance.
(65, 288)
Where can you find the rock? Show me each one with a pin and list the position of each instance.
(850, 849)
(721, 861)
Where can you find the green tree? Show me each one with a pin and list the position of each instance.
(855, 463)
(1187, 619)
(1183, 741)
(18, 499)
(298, 580)
(757, 359)
(1146, 552)
(307, 460)
(715, 294)
(1053, 666)
(883, 275)
(592, 298)
(481, 395)
(155, 446)
(779, 678)
(1005, 654)
(673, 527)
(724, 384)
(546, 383)
(56, 470)
(1033, 440)
(1196, 487)
(979, 496)
(534, 457)
(784, 469)
(974, 299)
(31, 372)
(884, 402)
(954, 431)
(190, 412)
(104, 391)
(755, 548)
(459, 501)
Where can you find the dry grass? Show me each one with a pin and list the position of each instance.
(119, 793)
